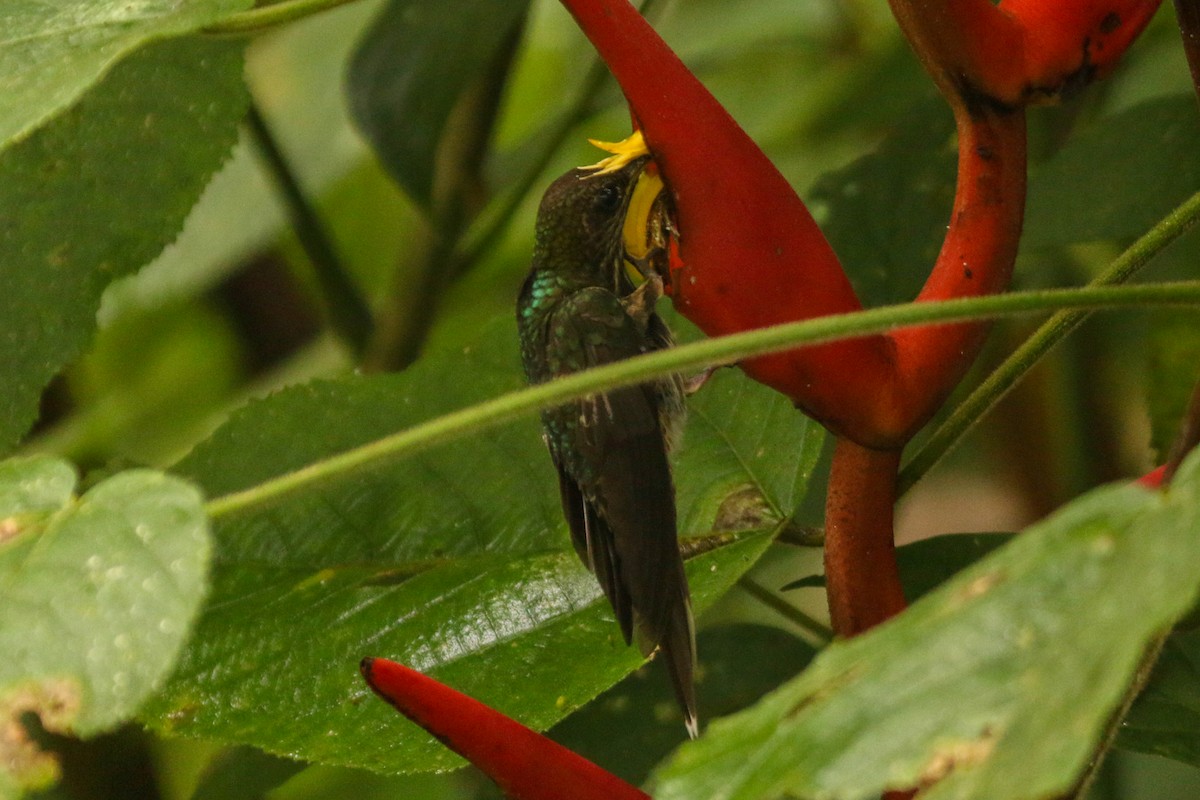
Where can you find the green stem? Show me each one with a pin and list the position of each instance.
(480, 241)
(821, 633)
(999, 382)
(457, 189)
(345, 306)
(722, 350)
(801, 536)
(258, 20)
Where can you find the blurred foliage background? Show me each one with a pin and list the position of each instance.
(232, 309)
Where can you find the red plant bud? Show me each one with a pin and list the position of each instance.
(525, 764)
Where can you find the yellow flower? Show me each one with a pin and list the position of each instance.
(623, 152)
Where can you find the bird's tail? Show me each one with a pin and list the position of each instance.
(678, 646)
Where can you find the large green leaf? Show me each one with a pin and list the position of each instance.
(51, 53)
(244, 773)
(96, 194)
(998, 685)
(298, 71)
(455, 562)
(96, 597)
(926, 564)
(1118, 177)
(403, 83)
(755, 451)
(274, 663)
(1165, 719)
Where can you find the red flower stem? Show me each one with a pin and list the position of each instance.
(524, 764)
(753, 256)
(861, 577)
(1154, 478)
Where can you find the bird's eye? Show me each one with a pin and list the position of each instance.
(608, 199)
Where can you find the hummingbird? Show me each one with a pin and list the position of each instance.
(578, 309)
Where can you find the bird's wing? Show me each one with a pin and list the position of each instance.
(616, 480)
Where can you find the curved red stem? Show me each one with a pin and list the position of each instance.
(976, 258)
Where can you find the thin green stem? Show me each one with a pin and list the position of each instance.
(494, 224)
(722, 350)
(1015, 367)
(346, 307)
(411, 308)
(810, 625)
(801, 536)
(258, 20)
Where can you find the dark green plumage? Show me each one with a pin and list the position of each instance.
(578, 309)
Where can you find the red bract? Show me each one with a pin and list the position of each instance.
(525, 764)
(753, 256)
(1154, 478)
(1070, 42)
(1020, 51)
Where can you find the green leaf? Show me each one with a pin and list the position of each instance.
(886, 213)
(244, 773)
(454, 561)
(998, 685)
(276, 664)
(96, 194)
(754, 449)
(97, 595)
(928, 563)
(51, 53)
(738, 664)
(402, 86)
(32, 486)
(1172, 373)
(1165, 719)
(303, 65)
(1118, 177)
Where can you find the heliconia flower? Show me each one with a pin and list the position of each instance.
(523, 763)
(752, 255)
